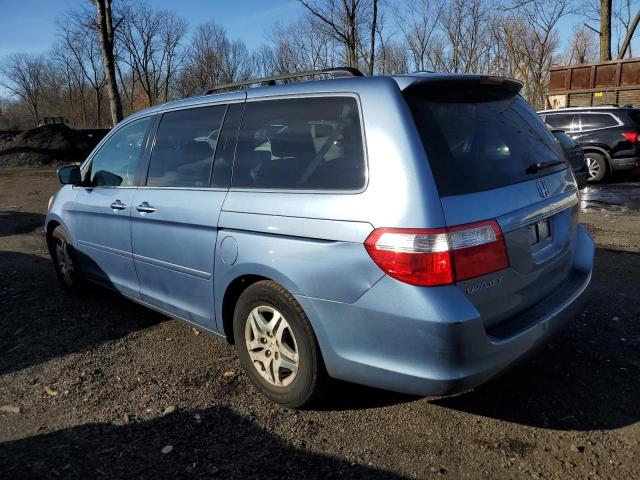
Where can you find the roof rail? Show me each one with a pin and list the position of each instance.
(336, 72)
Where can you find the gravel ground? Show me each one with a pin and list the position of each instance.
(99, 387)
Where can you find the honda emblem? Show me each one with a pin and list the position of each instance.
(542, 188)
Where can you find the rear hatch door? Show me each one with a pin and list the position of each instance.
(492, 158)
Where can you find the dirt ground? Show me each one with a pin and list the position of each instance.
(97, 387)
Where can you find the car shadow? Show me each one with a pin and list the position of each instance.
(40, 321)
(215, 442)
(17, 223)
(344, 396)
(587, 378)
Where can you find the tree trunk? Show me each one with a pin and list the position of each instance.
(34, 111)
(105, 27)
(98, 107)
(372, 53)
(627, 38)
(605, 30)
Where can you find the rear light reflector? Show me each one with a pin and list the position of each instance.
(631, 136)
(478, 249)
(430, 257)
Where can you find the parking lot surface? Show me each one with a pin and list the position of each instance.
(99, 387)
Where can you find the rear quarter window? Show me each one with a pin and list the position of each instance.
(591, 121)
(482, 140)
(301, 144)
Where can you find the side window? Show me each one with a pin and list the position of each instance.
(300, 143)
(562, 121)
(183, 151)
(592, 121)
(116, 163)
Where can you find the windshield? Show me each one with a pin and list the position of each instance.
(481, 139)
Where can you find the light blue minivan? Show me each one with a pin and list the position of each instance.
(416, 233)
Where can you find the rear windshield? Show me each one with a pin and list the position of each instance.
(482, 139)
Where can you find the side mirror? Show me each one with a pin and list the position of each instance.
(70, 175)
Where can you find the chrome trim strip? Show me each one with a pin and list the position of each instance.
(521, 218)
(95, 246)
(172, 266)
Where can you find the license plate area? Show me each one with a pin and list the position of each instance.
(540, 234)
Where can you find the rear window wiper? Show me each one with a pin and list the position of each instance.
(536, 167)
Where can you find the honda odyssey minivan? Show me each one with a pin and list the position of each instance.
(415, 233)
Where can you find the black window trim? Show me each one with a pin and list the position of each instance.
(365, 155)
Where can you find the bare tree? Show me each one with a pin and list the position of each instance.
(372, 43)
(418, 22)
(152, 41)
(541, 18)
(465, 25)
(213, 59)
(346, 21)
(264, 61)
(81, 41)
(618, 18)
(583, 47)
(107, 36)
(75, 82)
(302, 45)
(24, 75)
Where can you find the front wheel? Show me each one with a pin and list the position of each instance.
(596, 165)
(276, 345)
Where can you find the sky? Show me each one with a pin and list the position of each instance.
(30, 25)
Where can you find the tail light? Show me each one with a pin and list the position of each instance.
(631, 136)
(430, 257)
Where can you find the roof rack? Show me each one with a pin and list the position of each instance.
(337, 72)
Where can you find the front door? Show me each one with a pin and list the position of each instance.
(102, 210)
(175, 215)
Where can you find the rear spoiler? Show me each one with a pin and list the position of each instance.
(410, 84)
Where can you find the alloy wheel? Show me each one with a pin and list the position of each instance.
(593, 166)
(271, 346)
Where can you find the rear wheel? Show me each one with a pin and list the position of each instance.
(596, 165)
(276, 345)
(65, 261)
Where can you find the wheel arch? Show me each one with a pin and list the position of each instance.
(49, 227)
(231, 295)
(600, 150)
(237, 279)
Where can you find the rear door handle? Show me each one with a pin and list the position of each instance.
(144, 207)
(118, 205)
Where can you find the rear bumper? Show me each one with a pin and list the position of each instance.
(625, 163)
(432, 341)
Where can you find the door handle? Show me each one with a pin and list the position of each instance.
(118, 205)
(144, 207)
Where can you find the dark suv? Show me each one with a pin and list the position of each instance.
(609, 136)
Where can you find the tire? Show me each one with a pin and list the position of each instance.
(272, 335)
(65, 261)
(596, 166)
